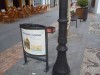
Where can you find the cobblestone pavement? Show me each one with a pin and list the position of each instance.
(94, 28)
(91, 62)
(91, 59)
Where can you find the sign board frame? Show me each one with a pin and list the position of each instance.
(31, 28)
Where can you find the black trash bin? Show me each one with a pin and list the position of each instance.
(34, 42)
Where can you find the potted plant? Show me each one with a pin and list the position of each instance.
(84, 6)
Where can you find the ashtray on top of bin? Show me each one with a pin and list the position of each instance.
(50, 29)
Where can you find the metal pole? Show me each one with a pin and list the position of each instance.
(61, 66)
(54, 3)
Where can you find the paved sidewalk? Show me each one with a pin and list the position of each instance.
(78, 41)
(12, 55)
(35, 66)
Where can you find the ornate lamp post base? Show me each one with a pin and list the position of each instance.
(61, 67)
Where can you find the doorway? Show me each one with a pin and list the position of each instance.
(16, 3)
(27, 2)
(3, 4)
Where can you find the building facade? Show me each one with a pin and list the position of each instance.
(94, 6)
(19, 3)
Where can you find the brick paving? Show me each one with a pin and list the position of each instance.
(1, 73)
(9, 57)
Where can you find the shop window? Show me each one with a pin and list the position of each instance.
(16, 3)
(3, 4)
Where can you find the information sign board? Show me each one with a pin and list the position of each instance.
(34, 41)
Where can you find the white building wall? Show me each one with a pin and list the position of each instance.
(49, 2)
(74, 0)
(46, 2)
(43, 2)
(93, 9)
(98, 9)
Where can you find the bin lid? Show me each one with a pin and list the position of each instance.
(32, 26)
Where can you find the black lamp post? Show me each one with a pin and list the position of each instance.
(61, 66)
